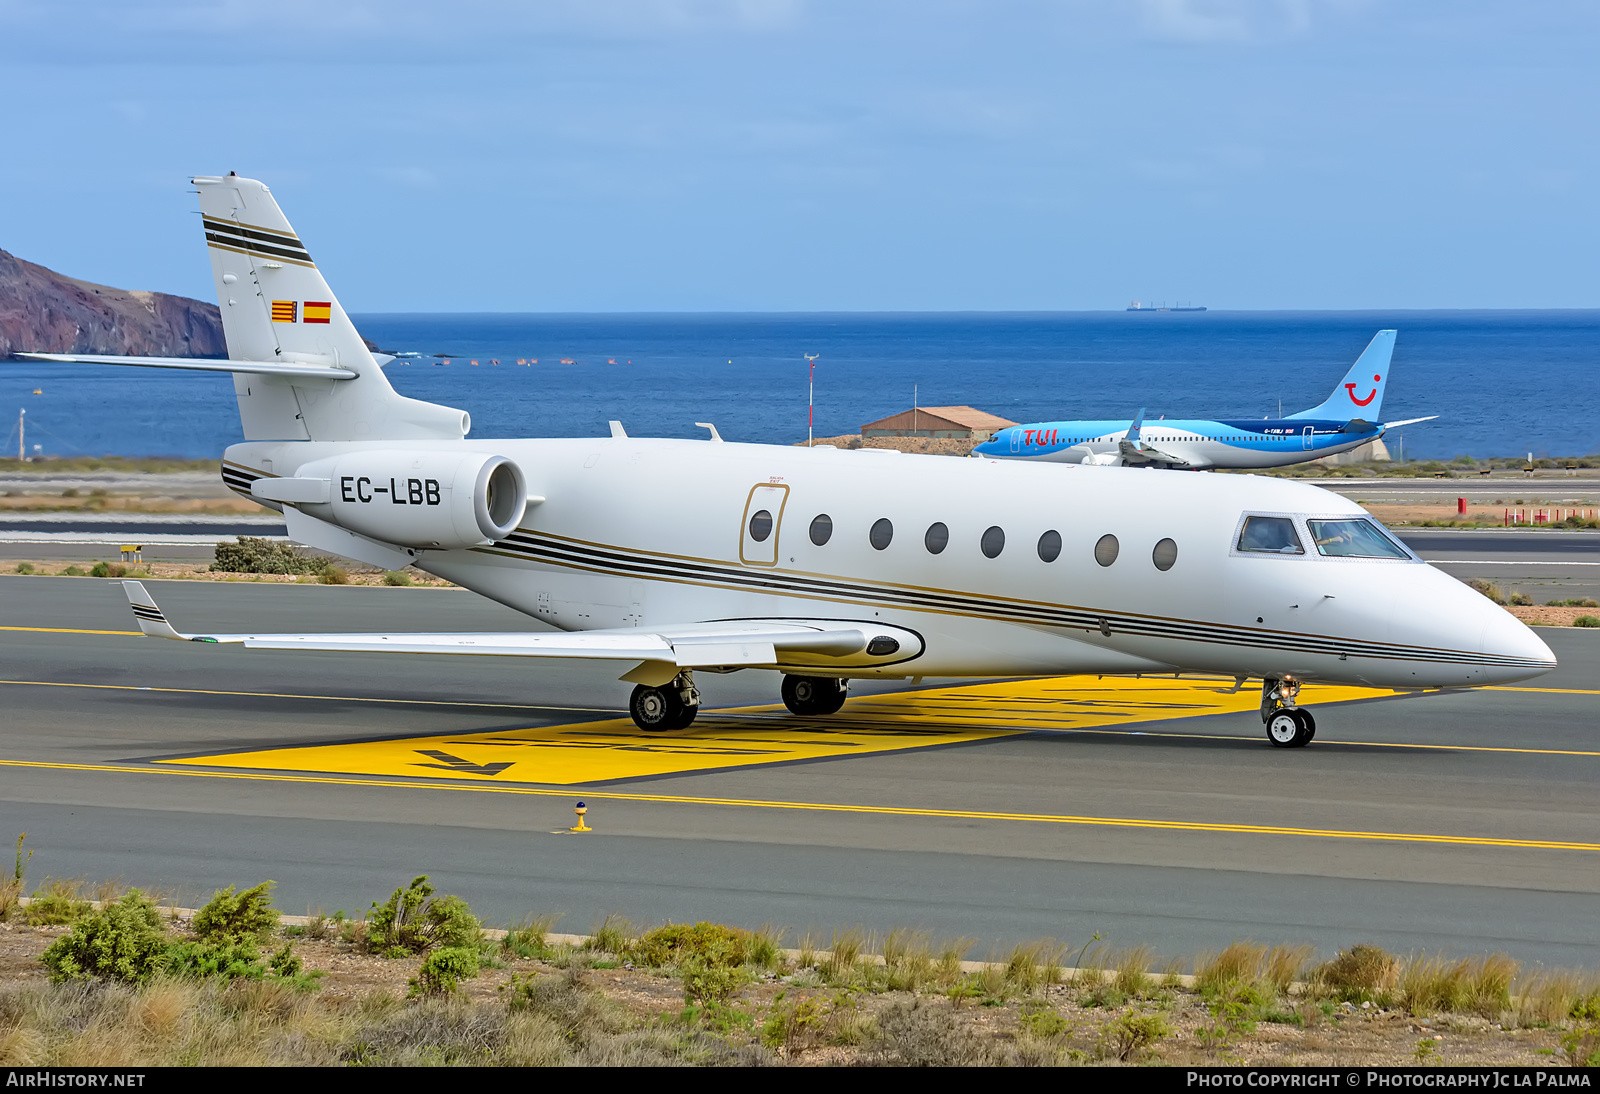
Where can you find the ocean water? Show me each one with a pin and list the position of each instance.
(1503, 383)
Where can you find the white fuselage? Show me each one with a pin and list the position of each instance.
(640, 532)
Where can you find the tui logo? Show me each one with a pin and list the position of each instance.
(1351, 388)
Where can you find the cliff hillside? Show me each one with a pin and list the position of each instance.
(42, 311)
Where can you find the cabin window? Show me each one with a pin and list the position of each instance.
(1050, 546)
(1105, 550)
(1271, 536)
(993, 542)
(821, 529)
(937, 537)
(760, 525)
(1353, 539)
(1165, 554)
(882, 532)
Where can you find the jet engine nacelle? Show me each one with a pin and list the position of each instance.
(435, 500)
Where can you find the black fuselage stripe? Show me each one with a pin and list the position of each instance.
(522, 545)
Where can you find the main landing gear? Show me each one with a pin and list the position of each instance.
(672, 706)
(1288, 726)
(814, 694)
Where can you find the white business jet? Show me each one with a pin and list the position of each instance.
(673, 557)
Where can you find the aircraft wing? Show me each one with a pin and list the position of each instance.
(202, 364)
(1133, 449)
(659, 653)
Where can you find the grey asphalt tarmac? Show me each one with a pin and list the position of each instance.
(1470, 820)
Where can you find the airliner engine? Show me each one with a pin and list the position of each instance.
(425, 500)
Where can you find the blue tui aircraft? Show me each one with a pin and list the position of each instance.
(1344, 420)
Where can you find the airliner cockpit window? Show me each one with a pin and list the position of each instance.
(1354, 539)
(1270, 536)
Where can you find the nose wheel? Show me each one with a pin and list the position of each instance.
(1288, 726)
(673, 706)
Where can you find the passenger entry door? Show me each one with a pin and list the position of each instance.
(763, 517)
(1309, 434)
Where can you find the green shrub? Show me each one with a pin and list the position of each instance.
(122, 941)
(530, 938)
(24, 567)
(710, 983)
(1134, 1034)
(711, 943)
(1041, 1020)
(397, 577)
(72, 571)
(253, 555)
(333, 575)
(1587, 621)
(1520, 600)
(57, 903)
(224, 959)
(443, 970)
(413, 920)
(230, 915)
(793, 1027)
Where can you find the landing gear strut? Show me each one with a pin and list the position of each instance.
(672, 706)
(1288, 726)
(814, 694)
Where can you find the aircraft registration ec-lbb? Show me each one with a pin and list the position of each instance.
(674, 558)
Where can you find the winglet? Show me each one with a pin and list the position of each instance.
(151, 621)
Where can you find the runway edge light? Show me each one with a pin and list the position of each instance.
(580, 809)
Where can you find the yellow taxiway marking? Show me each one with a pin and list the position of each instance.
(69, 630)
(614, 749)
(1544, 691)
(834, 807)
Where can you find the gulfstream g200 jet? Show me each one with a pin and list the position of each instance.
(674, 559)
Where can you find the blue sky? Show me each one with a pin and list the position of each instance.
(796, 155)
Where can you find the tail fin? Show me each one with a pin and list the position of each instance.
(276, 307)
(1360, 393)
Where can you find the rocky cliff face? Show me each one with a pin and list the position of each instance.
(42, 311)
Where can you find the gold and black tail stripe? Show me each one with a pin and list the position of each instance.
(572, 554)
(260, 242)
(238, 479)
(154, 615)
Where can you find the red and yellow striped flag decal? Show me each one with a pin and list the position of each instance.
(284, 311)
(317, 311)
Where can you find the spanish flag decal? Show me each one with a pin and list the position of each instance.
(285, 311)
(317, 311)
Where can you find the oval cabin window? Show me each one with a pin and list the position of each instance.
(937, 539)
(882, 532)
(760, 525)
(993, 542)
(1050, 546)
(1105, 551)
(1165, 554)
(821, 529)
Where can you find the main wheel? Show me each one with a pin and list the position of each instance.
(812, 695)
(1290, 728)
(657, 710)
(1310, 723)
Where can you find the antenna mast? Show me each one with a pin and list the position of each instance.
(811, 396)
(22, 416)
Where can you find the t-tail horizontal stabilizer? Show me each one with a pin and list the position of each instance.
(302, 369)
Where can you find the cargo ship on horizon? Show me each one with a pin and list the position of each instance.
(1137, 306)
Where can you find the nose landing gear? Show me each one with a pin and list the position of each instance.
(673, 706)
(1288, 726)
(808, 695)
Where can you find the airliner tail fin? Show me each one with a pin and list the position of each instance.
(1360, 393)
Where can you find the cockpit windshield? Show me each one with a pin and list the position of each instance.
(1270, 535)
(1354, 539)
